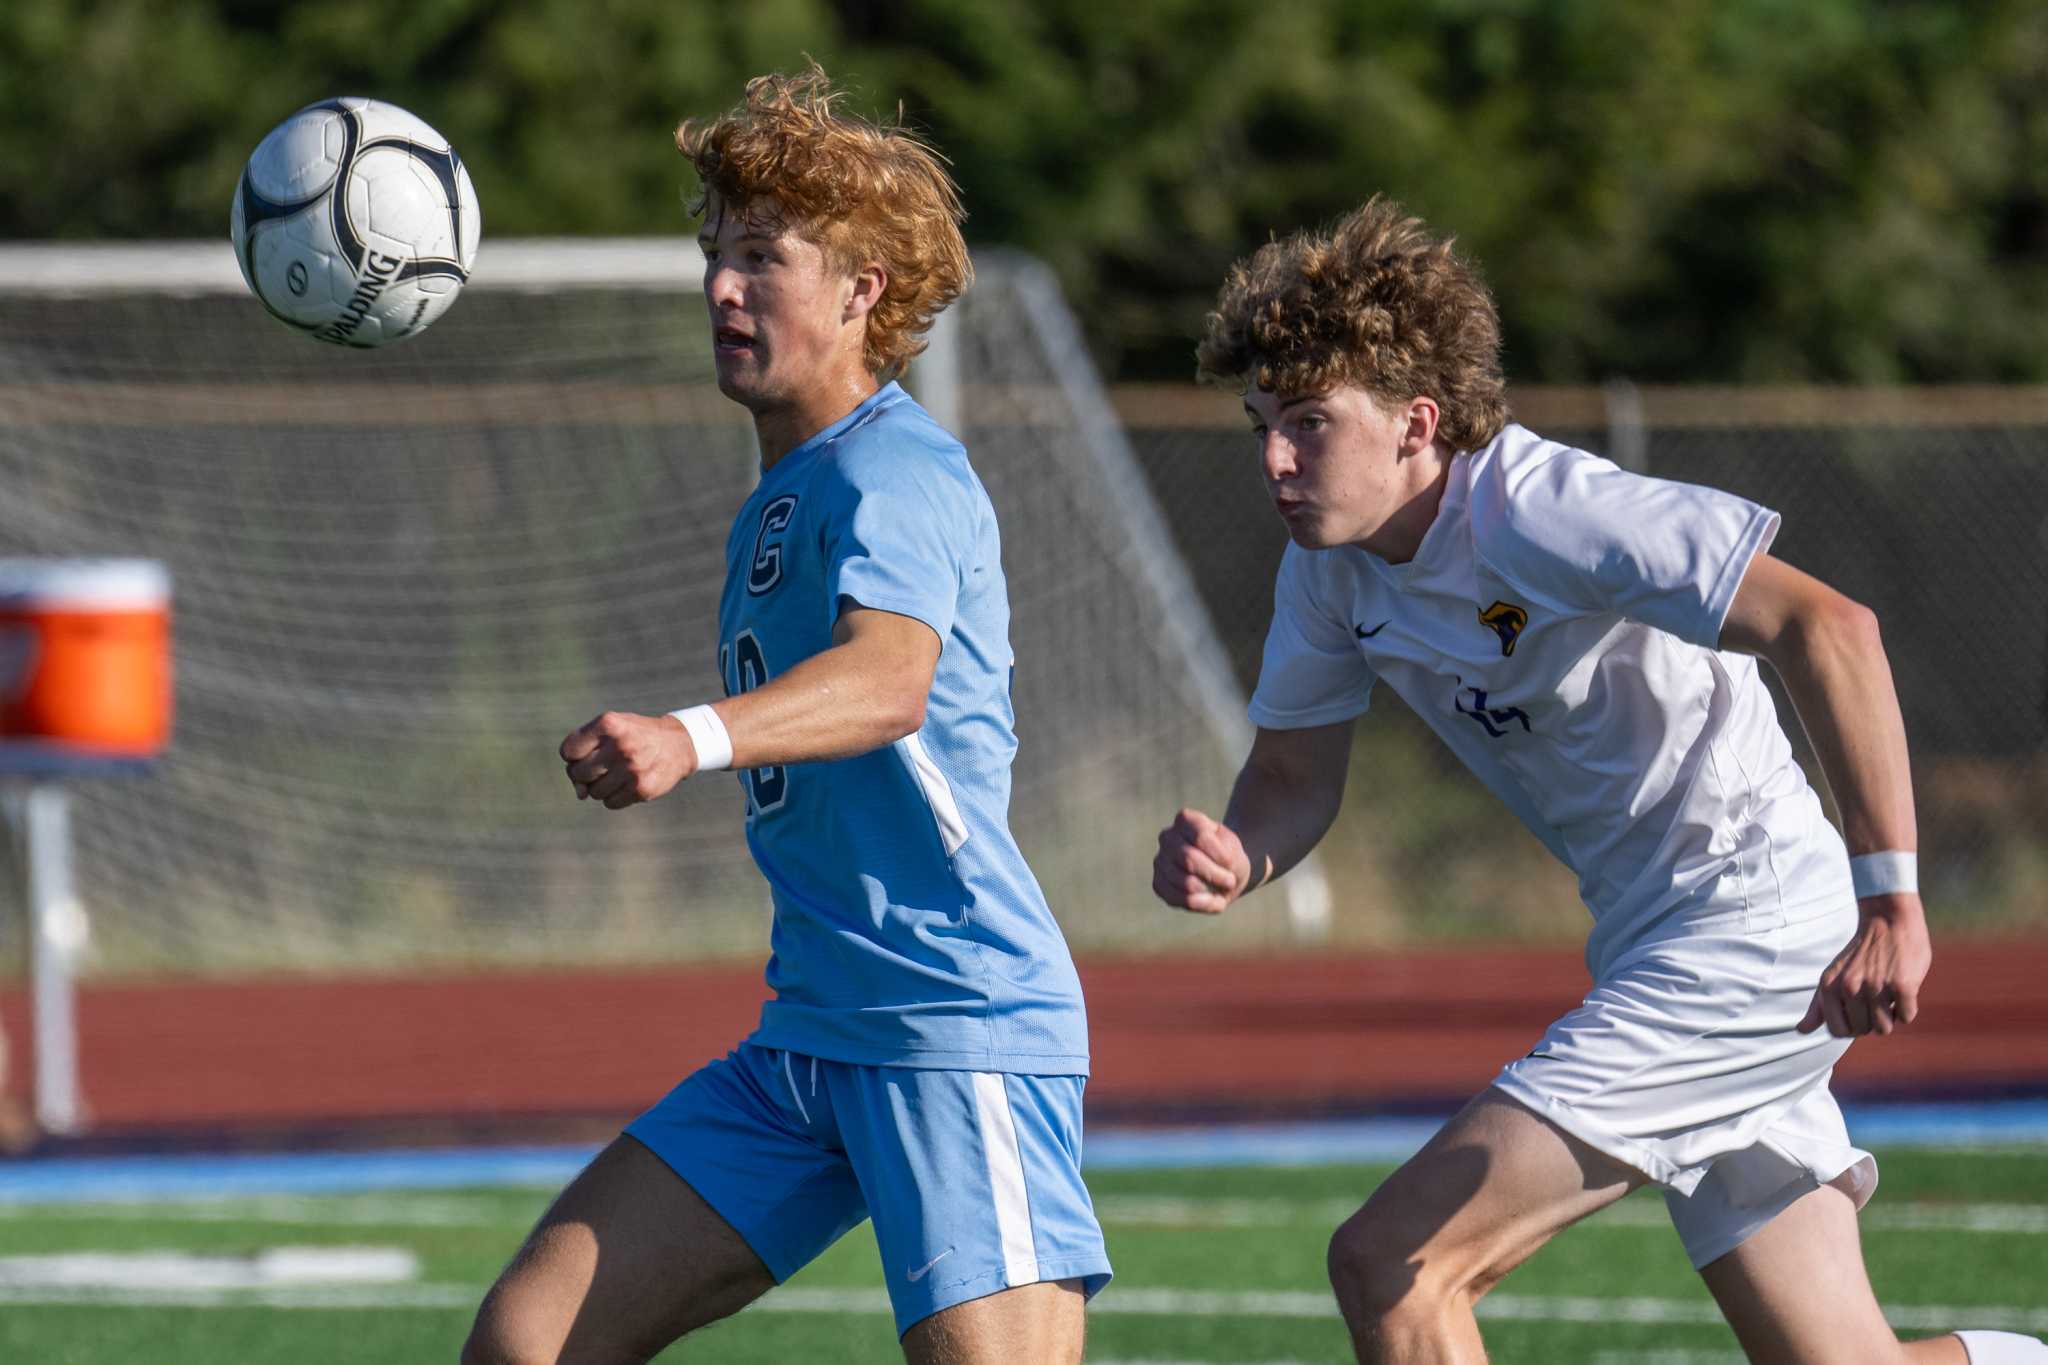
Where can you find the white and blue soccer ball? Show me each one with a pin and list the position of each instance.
(355, 222)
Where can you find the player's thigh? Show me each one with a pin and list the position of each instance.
(974, 1182)
(1493, 1185)
(1044, 1323)
(1796, 1292)
(627, 1259)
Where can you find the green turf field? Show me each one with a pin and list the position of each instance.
(1211, 1266)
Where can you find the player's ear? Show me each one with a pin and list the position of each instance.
(868, 283)
(1423, 416)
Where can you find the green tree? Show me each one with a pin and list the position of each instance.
(1701, 189)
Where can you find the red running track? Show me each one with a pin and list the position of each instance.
(526, 1054)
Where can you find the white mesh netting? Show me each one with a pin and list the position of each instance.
(401, 576)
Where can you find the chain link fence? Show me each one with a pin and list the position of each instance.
(400, 576)
(1929, 506)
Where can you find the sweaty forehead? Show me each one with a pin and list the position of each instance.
(1342, 397)
(761, 216)
(1259, 401)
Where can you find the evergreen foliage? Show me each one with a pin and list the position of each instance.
(1737, 190)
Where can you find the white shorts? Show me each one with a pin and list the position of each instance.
(1684, 1063)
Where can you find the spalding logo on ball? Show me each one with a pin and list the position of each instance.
(355, 222)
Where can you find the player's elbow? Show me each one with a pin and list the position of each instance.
(1828, 629)
(903, 713)
(1845, 628)
(1861, 622)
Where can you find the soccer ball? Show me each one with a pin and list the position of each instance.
(355, 222)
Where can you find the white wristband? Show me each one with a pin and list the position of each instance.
(1884, 874)
(707, 732)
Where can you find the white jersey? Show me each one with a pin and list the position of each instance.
(1558, 628)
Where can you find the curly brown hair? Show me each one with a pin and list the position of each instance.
(1373, 301)
(860, 190)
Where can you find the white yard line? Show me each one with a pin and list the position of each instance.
(1164, 1211)
(181, 1271)
(1175, 1212)
(2023, 1219)
(1122, 1210)
(382, 1210)
(374, 1297)
(206, 1285)
(1501, 1307)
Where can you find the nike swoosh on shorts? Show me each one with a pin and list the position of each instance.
(925, 1269)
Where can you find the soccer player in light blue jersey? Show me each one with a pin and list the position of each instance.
(922, 1059)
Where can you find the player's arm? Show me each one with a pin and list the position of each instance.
(1280, 808)
(867, 690)
(1827, 650)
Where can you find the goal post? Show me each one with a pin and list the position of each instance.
(1129, 518)
(403, 574)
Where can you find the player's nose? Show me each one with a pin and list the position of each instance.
(1276, 458)
(722, 288)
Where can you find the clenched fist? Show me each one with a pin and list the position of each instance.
(1201, 866)
(623, 759)
(1873, 985)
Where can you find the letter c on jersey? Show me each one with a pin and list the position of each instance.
(766, 570)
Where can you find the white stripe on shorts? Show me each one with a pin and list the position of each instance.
(1006, 1178)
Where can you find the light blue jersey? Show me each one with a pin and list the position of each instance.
(908, 929)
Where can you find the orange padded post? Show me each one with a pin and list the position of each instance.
(85, 654)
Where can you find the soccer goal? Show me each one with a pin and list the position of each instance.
(400, 576)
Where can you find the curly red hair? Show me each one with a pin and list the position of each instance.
(1373, 301)
(860, 190)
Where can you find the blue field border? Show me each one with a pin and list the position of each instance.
(118, 1179)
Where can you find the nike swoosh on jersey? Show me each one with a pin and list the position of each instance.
(1362, 633)
(925, 1269)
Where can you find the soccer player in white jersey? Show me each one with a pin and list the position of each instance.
(922, 1059)
(1585, 640)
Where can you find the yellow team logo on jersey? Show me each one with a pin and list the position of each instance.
(1507, 621)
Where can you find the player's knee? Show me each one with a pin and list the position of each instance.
(477, 1351)
(483, 1347)
(506, 1334)
(1371, 1275)
(1381, 1276)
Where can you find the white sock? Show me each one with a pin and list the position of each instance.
(2002, 1348)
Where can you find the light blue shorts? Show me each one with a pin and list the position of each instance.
(973, 1178)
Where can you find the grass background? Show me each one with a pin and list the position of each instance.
(1213, 1231)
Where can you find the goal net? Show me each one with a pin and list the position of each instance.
(401, 576)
